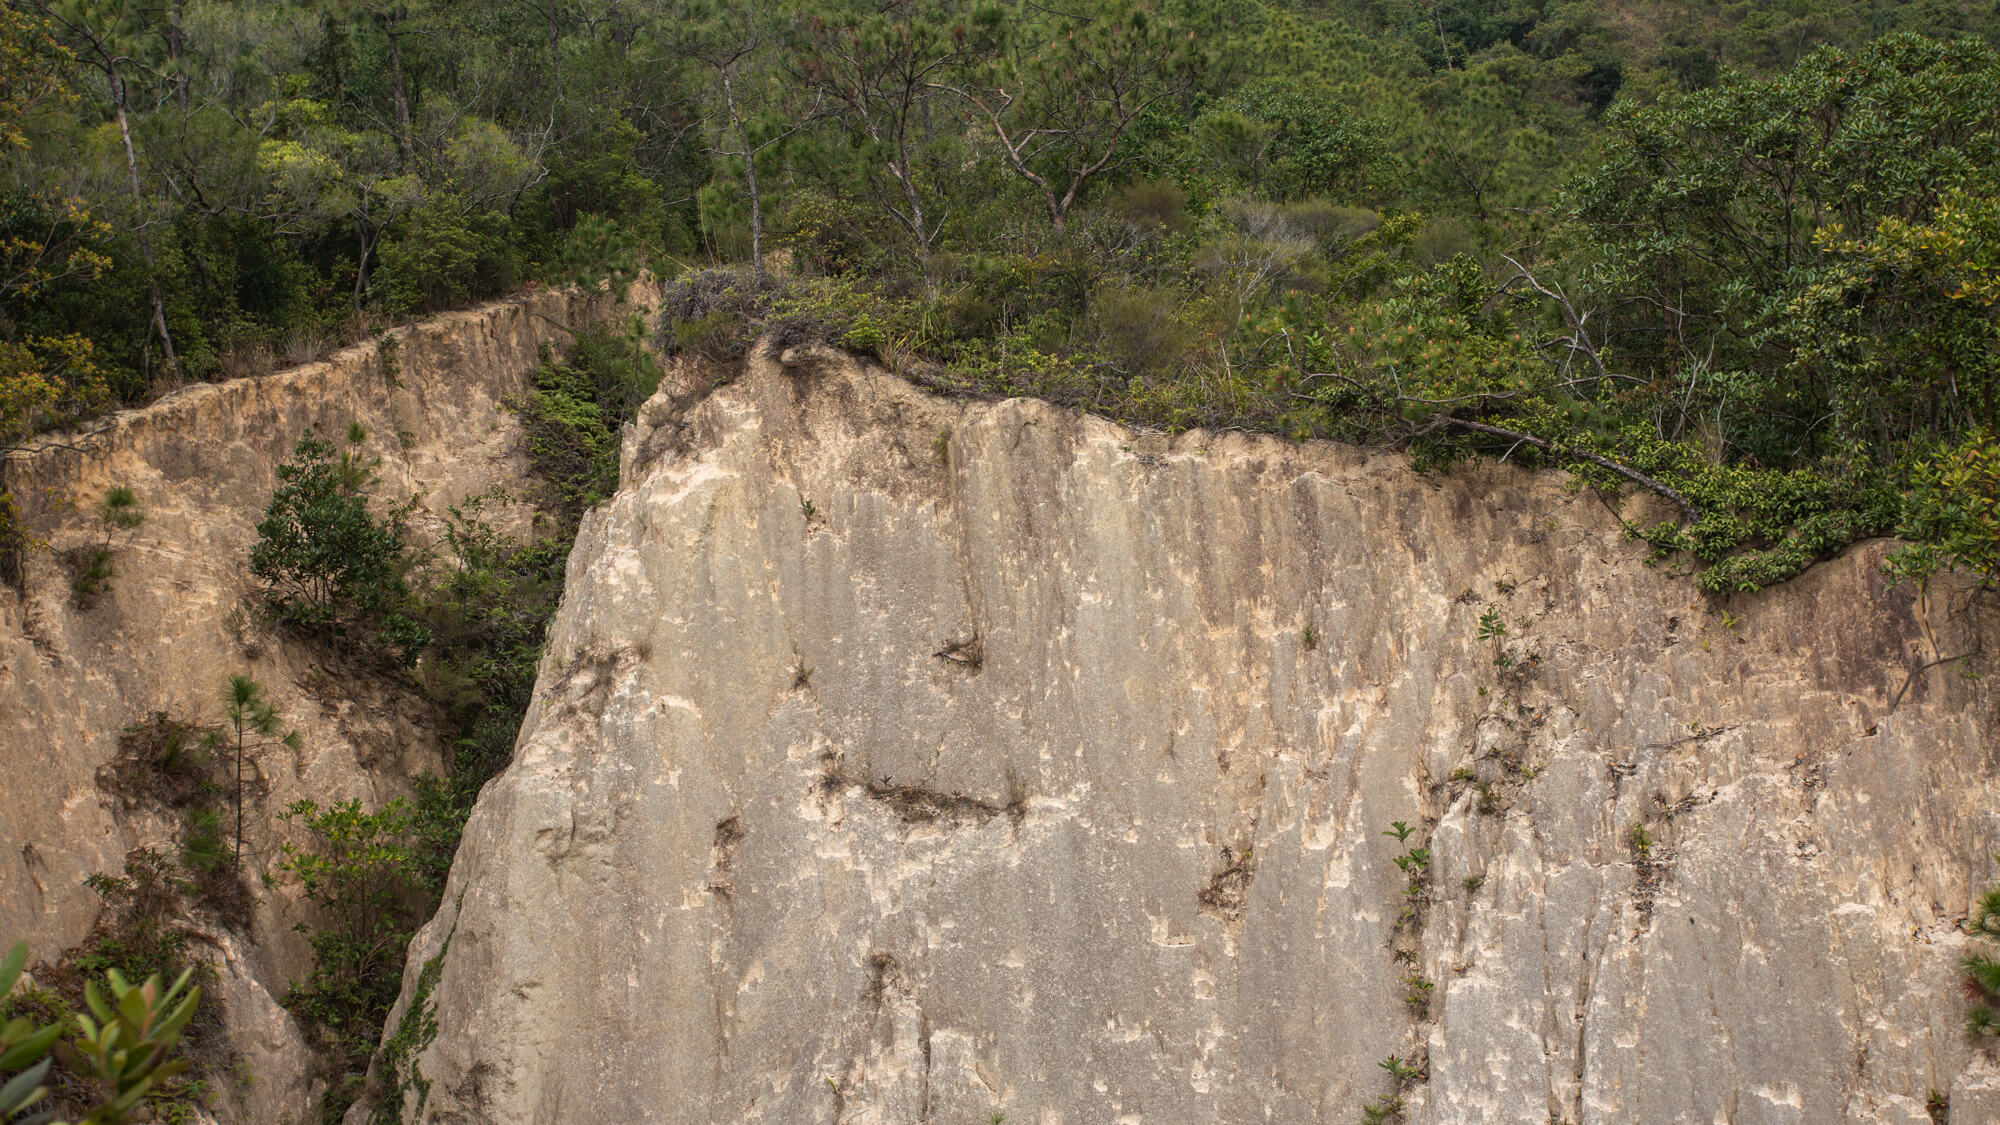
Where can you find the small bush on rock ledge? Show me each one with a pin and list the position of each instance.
(329, 567)
(1982, 973)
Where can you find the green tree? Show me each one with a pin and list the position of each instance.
(884, 66)
(1063, 92)
(1751, 248)
(109, 36)
(254, 725)
(734, 42)
(326, 563)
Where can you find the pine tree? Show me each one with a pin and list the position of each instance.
(254, 726)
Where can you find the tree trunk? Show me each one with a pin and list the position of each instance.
(139, 227)
(399, 90)
(750, 179)
(361, 263)
(239, 797)
(175, 47)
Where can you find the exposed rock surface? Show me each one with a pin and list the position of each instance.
(171, 628)
(900, 760)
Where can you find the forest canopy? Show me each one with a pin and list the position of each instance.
(1743, 256)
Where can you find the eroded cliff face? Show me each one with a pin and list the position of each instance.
(900, 760)
(172, 627)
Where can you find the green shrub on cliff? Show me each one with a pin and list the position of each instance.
(1982, 972)
(360, 870)
(328, 566)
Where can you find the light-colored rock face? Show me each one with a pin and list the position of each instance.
(170, 630)
(880, 775)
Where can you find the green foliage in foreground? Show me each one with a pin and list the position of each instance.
(124, 1040)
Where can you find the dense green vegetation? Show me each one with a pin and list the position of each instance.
(1740, 255)
(328, 566)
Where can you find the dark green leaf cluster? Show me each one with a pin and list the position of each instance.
(1982, 972)
(330, 567)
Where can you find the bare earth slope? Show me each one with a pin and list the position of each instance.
(903, 760)
(170, 630)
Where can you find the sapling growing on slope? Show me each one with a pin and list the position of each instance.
(1982, 972)
(253, 726)
(90, 567)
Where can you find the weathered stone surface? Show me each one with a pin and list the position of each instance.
(899, 760)
(170, 629)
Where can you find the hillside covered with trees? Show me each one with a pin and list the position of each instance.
(1740, 255)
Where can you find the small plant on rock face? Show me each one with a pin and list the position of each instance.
(1640, 841)
(1982, 972)
(1417, 993)
(90, 567)
(968, 652)
(1388, 1107)
(1399, 830)
(253, 725)
(388, 359)
(1404, 1072)
(1491, 628)
(1309, 637)
(119, 511)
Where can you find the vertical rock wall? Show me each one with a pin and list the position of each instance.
(900, 760)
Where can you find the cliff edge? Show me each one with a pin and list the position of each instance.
(899, 759)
